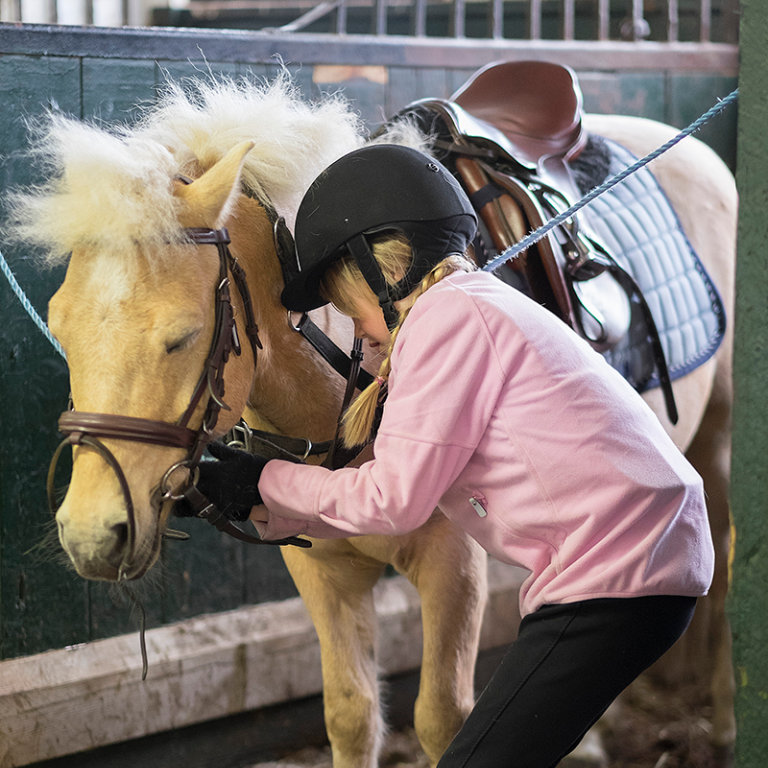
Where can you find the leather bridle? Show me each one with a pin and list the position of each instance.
(88, 429)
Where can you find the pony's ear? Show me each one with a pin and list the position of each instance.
(207, 201)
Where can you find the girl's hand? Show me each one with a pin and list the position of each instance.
(260, 518)
(231, 483)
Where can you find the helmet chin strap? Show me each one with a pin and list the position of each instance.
(371, 271)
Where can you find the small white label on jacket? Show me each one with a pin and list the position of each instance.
(477, 506)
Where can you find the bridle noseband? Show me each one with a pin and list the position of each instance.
(87, 429)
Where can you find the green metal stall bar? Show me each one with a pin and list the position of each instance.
(748, 606)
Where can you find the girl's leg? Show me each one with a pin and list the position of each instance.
(567, 665)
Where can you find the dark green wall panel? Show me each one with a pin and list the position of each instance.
(202, 575)
(114, 90)
(456, 78)
(366, 96)
(181, 70)
(36, 589)
(637, 94)
(690, 96)
(255, 72)
(406, 84)
(31, 85)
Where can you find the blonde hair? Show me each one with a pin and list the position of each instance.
(344, 286)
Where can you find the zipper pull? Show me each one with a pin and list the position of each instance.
(478, 506)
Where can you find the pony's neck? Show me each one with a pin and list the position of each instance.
(293, 391)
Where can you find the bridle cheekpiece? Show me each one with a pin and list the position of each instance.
(88, 429)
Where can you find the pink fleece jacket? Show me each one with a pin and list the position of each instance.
(516, 430)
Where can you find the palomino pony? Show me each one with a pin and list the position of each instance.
(135, 315)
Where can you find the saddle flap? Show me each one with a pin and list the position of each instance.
(502, 216)
(547, 247)
(594, 304)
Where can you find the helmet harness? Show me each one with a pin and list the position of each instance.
(373, 190)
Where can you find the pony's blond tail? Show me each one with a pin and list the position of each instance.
(357, 422)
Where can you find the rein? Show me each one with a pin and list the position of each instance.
(87, 429)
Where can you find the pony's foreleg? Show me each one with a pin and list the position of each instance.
(449, 570)
(335, 583)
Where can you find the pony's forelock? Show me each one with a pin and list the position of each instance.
(105, 188)
(113, 187)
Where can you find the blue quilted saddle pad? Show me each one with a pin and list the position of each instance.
(636, 223)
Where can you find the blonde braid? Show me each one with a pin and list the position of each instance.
(357, 422)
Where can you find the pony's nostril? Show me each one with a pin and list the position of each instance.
(118, 550)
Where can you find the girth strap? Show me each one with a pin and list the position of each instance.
(633, 290)
(270, 445)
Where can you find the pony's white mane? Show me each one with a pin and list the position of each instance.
(113, 187)
(294, 139)
(108, 189)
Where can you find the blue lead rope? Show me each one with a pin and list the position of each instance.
(536, 235)
(25, 302)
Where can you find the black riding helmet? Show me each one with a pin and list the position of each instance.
(372, 190)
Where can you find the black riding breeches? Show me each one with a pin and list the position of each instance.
(564, 670)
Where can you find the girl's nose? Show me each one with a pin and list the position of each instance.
(358, 328)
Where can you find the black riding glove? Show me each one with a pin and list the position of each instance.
(231, 484)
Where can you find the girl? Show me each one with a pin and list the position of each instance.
(500, 417)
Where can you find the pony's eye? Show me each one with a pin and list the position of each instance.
(182, 342)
